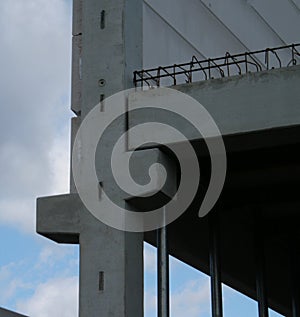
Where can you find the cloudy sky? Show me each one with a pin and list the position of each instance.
(38, 277)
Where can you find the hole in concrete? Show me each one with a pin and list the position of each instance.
(102, 97)
(101, 281)
(102, 20)
(101, 82)
(100, 187)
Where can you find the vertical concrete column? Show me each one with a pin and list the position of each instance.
(107, 48)
(111, 271)
(76, 101)
(111, 48)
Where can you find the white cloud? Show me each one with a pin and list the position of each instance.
(150, 304)
(150, 259)
(59, 157)
(191, 299)
(52, 254)
(11, 281)
(18, 213)
(56, 297)
(34, 101)
(53, 269)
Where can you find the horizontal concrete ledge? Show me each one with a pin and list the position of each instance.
(58, 217)
(250, 103)
(8, 313)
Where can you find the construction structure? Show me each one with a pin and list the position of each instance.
(250, 240)
(8, 313)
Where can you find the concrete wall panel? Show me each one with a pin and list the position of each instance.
(191, 21)
(281, 16)
(176, 29)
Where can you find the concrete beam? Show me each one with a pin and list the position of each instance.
(8, 313)
(250, 103)
(58, 218)
(111, 270)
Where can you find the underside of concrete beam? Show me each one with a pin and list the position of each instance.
(8, 313)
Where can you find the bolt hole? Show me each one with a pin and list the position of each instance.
(101, 82)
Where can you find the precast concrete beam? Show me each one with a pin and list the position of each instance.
(8, 313)
(240, 105)
(58, 217)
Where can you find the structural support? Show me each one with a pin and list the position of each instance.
(111, 261)
(259, 252)
(8, 313)
(215, 267)
(107, 48)
(163, 303)
(295, 278)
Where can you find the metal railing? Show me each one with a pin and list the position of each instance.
(228, 65)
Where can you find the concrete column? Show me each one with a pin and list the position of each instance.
(107, 48)
(111, 261)
(111, 47)
(107, 37)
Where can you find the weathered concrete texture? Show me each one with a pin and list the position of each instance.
(112, 48)
(58, 218)
(111, 270)
(171, 28)
(77, 17)
(8, 313)
(76, 74)
(75, 124)
(251, 102)
(77, 56)
(107, 48)
(241, 104)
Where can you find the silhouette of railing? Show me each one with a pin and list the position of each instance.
(225, 66)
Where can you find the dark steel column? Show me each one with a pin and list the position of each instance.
(295, 279)
(162, 273)
(215, 267)
(259, 253)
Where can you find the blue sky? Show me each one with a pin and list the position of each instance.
(38, 277)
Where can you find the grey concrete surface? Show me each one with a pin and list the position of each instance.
(239, 105)
(111, 270)
(171, 28)
(8, 313)
(107, 48)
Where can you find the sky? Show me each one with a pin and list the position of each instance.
(38, 277)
